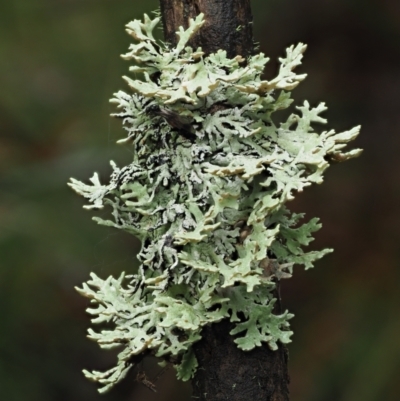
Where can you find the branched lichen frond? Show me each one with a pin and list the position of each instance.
(206, 194)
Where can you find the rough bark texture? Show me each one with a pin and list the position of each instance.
(225, 372)
(228, 24)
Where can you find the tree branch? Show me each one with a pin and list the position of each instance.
(225, 372)
(228, 24)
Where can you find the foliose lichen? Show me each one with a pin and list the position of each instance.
(206, 195)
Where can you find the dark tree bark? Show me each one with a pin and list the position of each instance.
(225, 372)
(228, 24)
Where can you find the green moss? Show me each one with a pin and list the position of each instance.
(206, 192)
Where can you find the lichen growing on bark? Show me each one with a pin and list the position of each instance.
(206, 194)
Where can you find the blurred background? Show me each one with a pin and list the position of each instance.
(60, 64)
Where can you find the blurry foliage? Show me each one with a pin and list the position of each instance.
(59, 65)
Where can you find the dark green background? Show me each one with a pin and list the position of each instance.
(59, 65)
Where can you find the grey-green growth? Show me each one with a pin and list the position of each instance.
(206, 192)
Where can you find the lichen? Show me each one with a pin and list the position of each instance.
(206, 194)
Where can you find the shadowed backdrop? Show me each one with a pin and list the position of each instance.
(60, 64)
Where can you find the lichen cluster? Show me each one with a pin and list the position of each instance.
(205, 193)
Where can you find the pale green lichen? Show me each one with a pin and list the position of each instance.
(207, 200)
